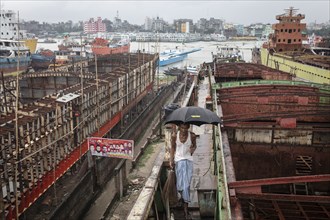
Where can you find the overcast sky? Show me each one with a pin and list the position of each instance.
(135, 12)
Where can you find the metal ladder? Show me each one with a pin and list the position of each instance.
(303, 167)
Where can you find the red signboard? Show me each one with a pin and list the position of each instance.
(106, 147)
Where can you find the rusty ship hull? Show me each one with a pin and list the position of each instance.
(57, 112)
(275, 144)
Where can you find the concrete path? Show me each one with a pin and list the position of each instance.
(203, 167)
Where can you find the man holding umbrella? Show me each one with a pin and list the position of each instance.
(183, 145)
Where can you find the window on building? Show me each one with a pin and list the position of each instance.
(298, 30)
(279, 40)
(289, 41)
(286, 30)
(281, 30)
(294, 40)
(290, 30)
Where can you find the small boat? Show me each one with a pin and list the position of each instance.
(192, 70)
(174, 71)
(42, 59)
(102, 46)
(14, 55)
(49, 41)
(227, 54)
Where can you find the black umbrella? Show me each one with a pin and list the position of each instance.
(193, 115)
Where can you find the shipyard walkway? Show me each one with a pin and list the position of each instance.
(203, 185)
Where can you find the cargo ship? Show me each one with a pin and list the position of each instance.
(285, 50)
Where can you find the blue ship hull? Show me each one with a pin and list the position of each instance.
(171, 60)
(9, 65)
(41, 62)
(174, 56)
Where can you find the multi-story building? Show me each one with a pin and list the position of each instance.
(183, 25)
(202, 24)
(216, 25)
(210, 26)
(94, 26)
(267, 30)
(158, 24)
(240, 29)
(148, 24)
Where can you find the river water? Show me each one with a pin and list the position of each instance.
(193, 59)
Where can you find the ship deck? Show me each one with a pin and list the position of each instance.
(307, 58)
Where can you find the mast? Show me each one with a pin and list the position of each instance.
(291, 11)
(16, 125)
(82, 90)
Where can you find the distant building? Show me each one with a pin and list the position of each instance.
(94, 26)
(158, 24)
(267, 30)
(185, 28)
(216, 25)
(155, 24)
(229, 30)
(117, 23)
(240, 29)
(210, 26)
(183, 25)
(148, 24)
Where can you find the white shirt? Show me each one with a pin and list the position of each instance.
(182, 151)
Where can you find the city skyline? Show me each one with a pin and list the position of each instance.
(240, 12)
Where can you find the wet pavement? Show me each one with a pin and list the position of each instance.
(203, 180)
(203, 177)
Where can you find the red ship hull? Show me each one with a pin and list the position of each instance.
(105, 50)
